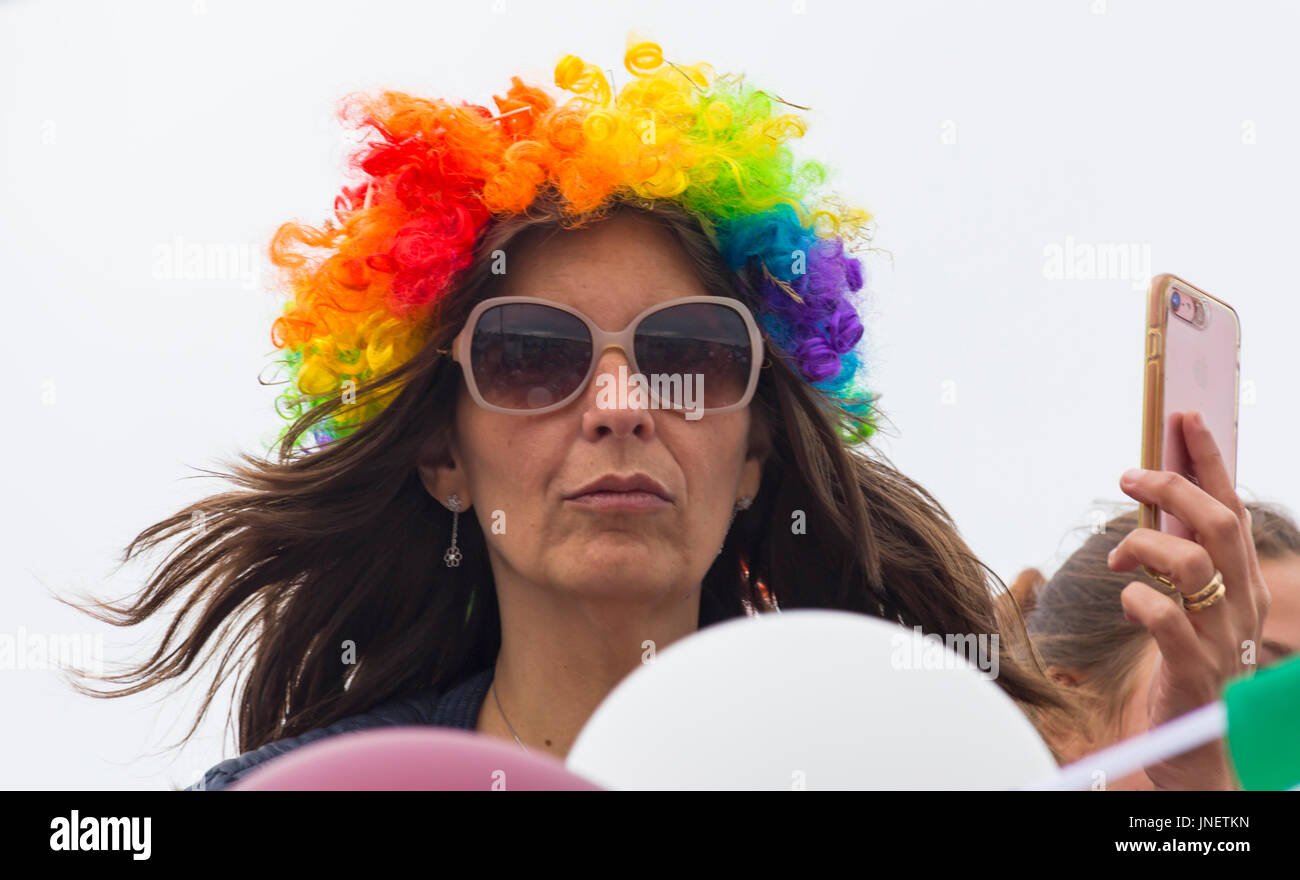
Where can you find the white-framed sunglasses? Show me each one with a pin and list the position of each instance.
(522, 355)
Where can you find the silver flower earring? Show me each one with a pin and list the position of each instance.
(453, 555)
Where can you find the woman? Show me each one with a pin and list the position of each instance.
(1106, 658)
(481, 534)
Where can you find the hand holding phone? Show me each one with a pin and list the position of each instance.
(1201, 647)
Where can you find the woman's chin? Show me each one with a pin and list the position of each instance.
(620, 565)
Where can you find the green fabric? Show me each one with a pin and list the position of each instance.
(1264, 727)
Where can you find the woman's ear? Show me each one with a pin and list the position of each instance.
(442, 477)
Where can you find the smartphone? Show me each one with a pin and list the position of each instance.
(1193, 362)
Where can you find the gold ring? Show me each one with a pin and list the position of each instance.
(1206, 603)
(1208, 590)
(1157, 576)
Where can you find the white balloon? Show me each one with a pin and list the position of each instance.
(810, 699)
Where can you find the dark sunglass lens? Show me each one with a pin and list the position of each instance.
(528, 356)
(705, 344)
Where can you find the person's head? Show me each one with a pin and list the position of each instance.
(1103, 660)
(523, 473)
(1277, 543)
(336, 550)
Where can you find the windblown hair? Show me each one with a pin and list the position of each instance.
(344, 543)
(1076, 621)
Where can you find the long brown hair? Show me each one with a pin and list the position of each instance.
(343, 544)
(1078, 627)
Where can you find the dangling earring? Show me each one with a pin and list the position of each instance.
(453, 555)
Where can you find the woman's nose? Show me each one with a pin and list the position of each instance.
(611, 404)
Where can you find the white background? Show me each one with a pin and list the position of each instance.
(979, 134)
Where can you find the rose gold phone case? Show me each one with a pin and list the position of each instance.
(1187, 368)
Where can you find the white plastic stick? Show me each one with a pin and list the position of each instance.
(1183, 734)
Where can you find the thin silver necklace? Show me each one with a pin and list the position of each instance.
(496, 697)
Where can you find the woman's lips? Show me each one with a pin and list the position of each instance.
(607, 500)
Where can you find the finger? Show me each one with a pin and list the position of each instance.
(1209, 465)
(1184, 562)
(1215, 478)
(1190, 568)
(1217, 528)
(1168, 624)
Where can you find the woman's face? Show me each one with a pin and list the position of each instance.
(1281, 636)
(522, 473)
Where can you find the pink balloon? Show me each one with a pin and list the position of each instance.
(412, 759)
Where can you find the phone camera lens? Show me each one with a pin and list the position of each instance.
(1176, 300)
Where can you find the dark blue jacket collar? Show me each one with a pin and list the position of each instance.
(457, 706)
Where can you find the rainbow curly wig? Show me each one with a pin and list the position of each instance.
(362, 286)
